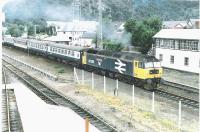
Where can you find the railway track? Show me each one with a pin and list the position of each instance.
(53, 97)
(180, 86)
(11, 121)
(185, 100)
(190, 98)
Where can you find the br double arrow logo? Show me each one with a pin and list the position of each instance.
(120, 66)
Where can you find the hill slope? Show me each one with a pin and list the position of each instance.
(117, 10)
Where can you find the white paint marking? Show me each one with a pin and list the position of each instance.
(120, 66)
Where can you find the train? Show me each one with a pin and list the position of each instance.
(141, 70)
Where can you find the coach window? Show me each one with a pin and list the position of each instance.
(72, 53)
(69, 52)
(78, 55)
(161, 57)
(54, 49)
(171, 59)
(186, 61)
(65, 52)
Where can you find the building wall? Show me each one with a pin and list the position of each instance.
(86, 42)
(179, 56)
(75, 36)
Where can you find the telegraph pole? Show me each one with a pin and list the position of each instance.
(100, 37)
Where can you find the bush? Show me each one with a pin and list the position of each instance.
(109, 45)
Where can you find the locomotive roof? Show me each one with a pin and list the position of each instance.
(128, 56)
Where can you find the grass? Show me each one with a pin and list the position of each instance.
(57, 66)
(167, 123)
(61, 71)
(149, 115)
(145, 118)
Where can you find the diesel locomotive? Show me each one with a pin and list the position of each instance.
(140, 70)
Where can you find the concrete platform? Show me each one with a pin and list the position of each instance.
(37, 116)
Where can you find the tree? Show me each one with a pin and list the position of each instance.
(31, 29)
(109, 45)
(15, 30)
(142, 32)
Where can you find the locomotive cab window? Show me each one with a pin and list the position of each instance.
(136, 64)
(141, 65)
(149, 65)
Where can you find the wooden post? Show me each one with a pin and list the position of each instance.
(86, 124)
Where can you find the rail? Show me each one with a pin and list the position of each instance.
(7, 102)
(58, 97)
(181, 86)
(185, 100)
(45, 73)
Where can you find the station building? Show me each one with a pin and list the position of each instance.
(178, 49)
